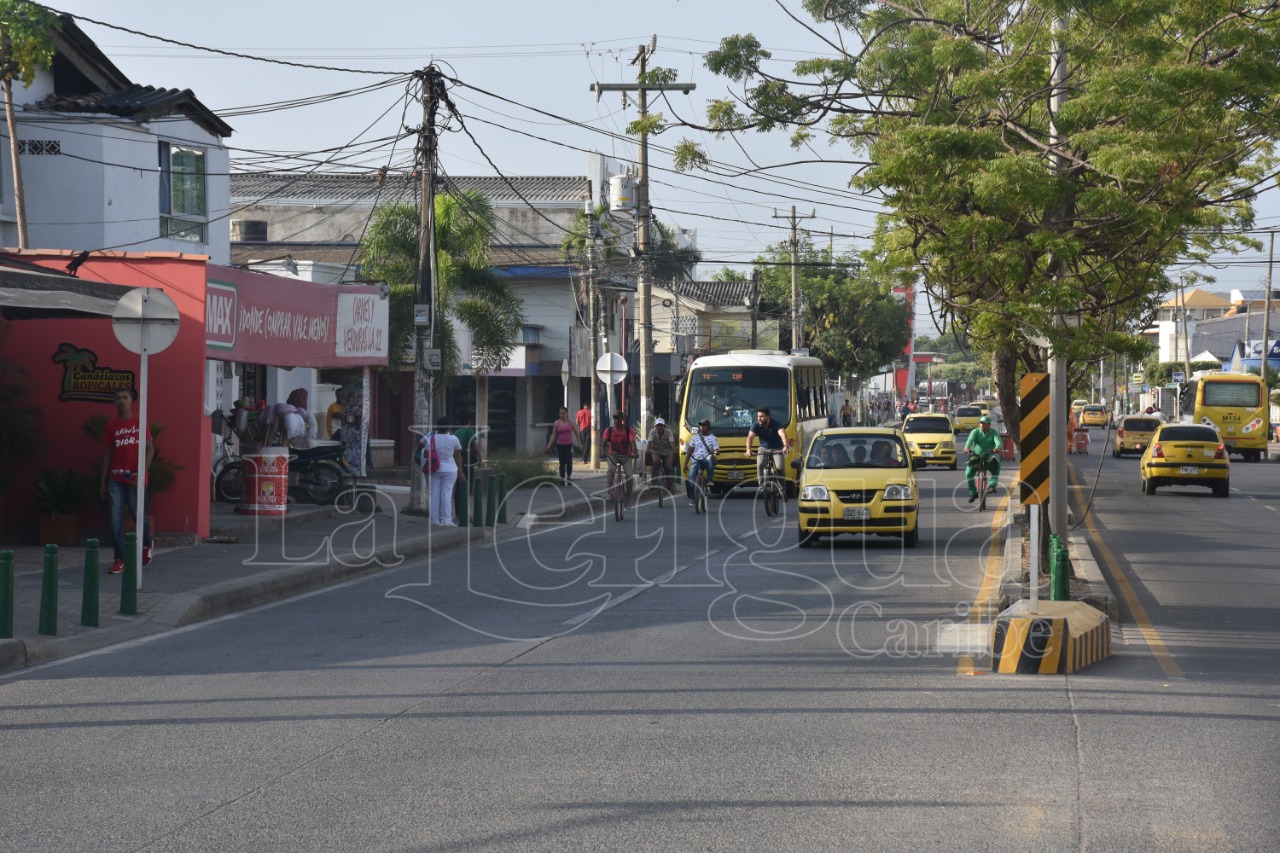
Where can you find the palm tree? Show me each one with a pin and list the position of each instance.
(467, 288)
(26, 45)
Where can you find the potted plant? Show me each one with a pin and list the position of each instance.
(60, 495)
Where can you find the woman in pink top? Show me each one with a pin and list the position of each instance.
(564, 436)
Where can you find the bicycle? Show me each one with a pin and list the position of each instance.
(617, 485)
(773, 491)
(982, 477)
(700, 490)
(660, 478)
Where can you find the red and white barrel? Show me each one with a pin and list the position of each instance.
(266, 482)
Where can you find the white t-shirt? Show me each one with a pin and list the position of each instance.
(445, 445)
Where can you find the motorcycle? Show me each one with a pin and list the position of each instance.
(317, 473)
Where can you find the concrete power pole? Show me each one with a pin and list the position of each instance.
(644, 306)
(797, 325)
(593, 323)
(424, 307)
(1057, 362)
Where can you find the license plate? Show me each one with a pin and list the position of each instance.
(856, 513)
(928, 454)
(735, 475)
(1190, 469)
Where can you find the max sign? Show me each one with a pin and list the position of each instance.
(265, 319)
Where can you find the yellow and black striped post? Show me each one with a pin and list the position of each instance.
(1033, 472)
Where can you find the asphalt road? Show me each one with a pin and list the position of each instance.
(679, 682)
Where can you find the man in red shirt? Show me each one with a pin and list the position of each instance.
(120, 474)
(584, 429)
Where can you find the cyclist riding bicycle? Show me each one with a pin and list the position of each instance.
(619, 440)
(661, 450)
(701, 449)
(773, 441)
(982, 441)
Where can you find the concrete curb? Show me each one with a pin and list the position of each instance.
(1086, 568)
(234, 596)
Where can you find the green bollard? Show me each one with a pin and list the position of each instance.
(129, 580)
(1059, 577)
(477, 503)
(502, 498)
(6, 595)
(463, 500)
(49, 593)
(490, 501)
(89, 595)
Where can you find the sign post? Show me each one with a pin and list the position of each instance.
(564, 380)
(145, 321)
(611, 369)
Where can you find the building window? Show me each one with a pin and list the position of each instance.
(182, 193)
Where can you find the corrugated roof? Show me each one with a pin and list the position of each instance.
(141, 102)
(319, 188)
(717, 293)
(1197, 298)
(344, 253)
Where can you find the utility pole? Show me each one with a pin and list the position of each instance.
(644, 288)
(593, 322)
(754, 306)
(1266, 332)
(1057, 361)
(1186, 326)
(797, 329)
(424, 305)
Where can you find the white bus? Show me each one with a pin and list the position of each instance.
(728, 389)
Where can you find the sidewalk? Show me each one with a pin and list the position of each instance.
(249, 561)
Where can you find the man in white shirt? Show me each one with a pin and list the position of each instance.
(701, 449)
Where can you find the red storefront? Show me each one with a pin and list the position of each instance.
(74, 364)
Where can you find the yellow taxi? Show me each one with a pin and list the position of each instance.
(966, 418)
(1185, 455)
(931, 438)
(1094, 416)
(1134, 434)
(857, 480)
(1077, 406)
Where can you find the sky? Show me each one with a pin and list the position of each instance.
(523, 100)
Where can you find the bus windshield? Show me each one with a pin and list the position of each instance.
(729, 397)
(1244, 395)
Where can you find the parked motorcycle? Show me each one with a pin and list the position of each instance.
(316, 473)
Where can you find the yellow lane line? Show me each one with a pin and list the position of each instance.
(1149, 633)
(992, 573)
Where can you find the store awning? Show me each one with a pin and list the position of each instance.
(26, 294)
(255, 318)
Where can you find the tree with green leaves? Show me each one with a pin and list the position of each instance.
(466, 288)
(1165, 135)
(26, 46)
(852, 320)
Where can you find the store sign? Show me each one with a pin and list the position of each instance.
(256, 318)
(83, 379)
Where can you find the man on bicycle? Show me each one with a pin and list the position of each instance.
(701, 450)
(661, 450)
(619, 440)
(982, 440)
(773, 438)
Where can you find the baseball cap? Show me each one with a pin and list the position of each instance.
(985, 419)
(659, 421)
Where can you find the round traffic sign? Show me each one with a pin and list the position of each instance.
(564, 371)
(611, 368)
(146, 319)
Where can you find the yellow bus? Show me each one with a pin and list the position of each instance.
(1235, 404)
(727, 389)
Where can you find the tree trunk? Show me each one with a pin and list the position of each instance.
(1004, 370)
(19, 202)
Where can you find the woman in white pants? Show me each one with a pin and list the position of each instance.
(442, 480)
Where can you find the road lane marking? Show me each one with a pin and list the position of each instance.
(992, 574)
(1149, 633)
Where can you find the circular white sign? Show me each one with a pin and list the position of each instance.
(145, 318)
(611, 368)
(564, 371)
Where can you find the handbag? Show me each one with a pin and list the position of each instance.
(432, 462)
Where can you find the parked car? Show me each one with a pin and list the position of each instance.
(857, 480)
(1134, 434)
(1094, 416)
(966, 419)
(1185, 455)
(931, 438)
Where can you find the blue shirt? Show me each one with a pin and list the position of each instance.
(770, 434)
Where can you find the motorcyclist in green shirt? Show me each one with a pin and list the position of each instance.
(982, 440)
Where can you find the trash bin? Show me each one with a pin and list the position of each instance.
(266, 482)
(1080, 441)
(1007, 449)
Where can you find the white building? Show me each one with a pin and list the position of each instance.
(110, 164)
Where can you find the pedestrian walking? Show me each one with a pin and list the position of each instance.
(563, 438)
(446, 449)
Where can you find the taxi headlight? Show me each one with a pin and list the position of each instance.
(947, 445)
(813, 493)
(897, 493)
